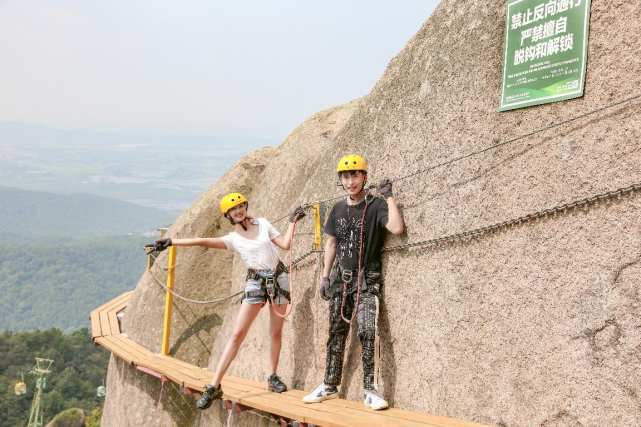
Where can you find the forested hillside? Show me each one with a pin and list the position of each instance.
(34, 216)
(63, 256)
(59, 285)
(78, 369)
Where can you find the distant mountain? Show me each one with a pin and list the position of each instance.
(33, 216)
(62, 256)
(158, 170)
(59, 285)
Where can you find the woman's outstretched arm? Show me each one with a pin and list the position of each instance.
(208, 242)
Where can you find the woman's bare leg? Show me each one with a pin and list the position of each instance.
(246, 317)
(276, 333)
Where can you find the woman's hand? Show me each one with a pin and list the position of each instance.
(297, 214)
(160, 245)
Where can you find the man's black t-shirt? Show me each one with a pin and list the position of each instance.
(344, 223)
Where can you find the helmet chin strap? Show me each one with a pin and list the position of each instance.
(241, 222)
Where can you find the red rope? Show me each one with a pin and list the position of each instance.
(360, 259)
(291, 276)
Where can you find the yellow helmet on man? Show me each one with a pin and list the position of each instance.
(352, 162)
(231, 200)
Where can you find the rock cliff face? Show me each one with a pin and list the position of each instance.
(532, 325)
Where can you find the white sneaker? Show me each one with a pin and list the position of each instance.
(374, 400)
(322, 392)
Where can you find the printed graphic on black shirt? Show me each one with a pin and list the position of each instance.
(345, 222)
(348, 234)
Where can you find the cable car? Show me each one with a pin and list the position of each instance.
(102, 390)
(20, 389)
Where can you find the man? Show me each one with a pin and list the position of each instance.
(356, 228)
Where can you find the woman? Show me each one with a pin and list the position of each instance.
(256, 241)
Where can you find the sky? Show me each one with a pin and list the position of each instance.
(198, 67)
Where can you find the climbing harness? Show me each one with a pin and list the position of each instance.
(269, 283)
(269, 280)
(347, 275)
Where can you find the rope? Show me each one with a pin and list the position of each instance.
(191, 300)
(445, 163)
(495, 146)
(207, 252)
(291, 276)
(474, 153)
(477, 231)
(534, 132)
(521, 219)
(358, 272)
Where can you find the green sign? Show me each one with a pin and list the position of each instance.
(546, 47)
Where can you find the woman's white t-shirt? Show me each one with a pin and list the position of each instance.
(258, 254)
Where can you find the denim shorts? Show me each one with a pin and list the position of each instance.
(254, 285)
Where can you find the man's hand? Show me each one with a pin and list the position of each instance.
(159, 245)
(385, 188)
(298, 211)
(324, 289)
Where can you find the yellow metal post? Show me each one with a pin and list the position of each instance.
(169, 300)
(148, 260)
(317, 226)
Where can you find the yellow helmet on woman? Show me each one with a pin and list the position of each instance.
(352, 162)
(231, 200)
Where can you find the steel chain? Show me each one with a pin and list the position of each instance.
(521, 219)
(491, 147)
(474, 232)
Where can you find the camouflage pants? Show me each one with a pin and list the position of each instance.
(339, 329)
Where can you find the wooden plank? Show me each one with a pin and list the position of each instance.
(303, 410)
(331, 413)
(306, 415)
(122, 305)
(366, 414)
(171, 374)
(369, 415)
(124, 343)
(115, 349)
(434, 420)
(118, 308)
(135, 345)
(428, 419)
(113, 324)
(185, 364)
(101, 324)
(115, 301)
(104, 324)
(96, 330)
(188, 375)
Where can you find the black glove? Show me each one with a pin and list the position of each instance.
(298, 211)
(159, 245)
(385, 188)
(324, 288)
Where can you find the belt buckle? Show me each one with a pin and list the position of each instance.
(270, 284)
(346, 275)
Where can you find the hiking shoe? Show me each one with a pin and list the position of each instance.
(322, 392)
(210, 394)
(275, 384)
(374, 400)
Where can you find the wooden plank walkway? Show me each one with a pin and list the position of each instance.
(288, 405)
